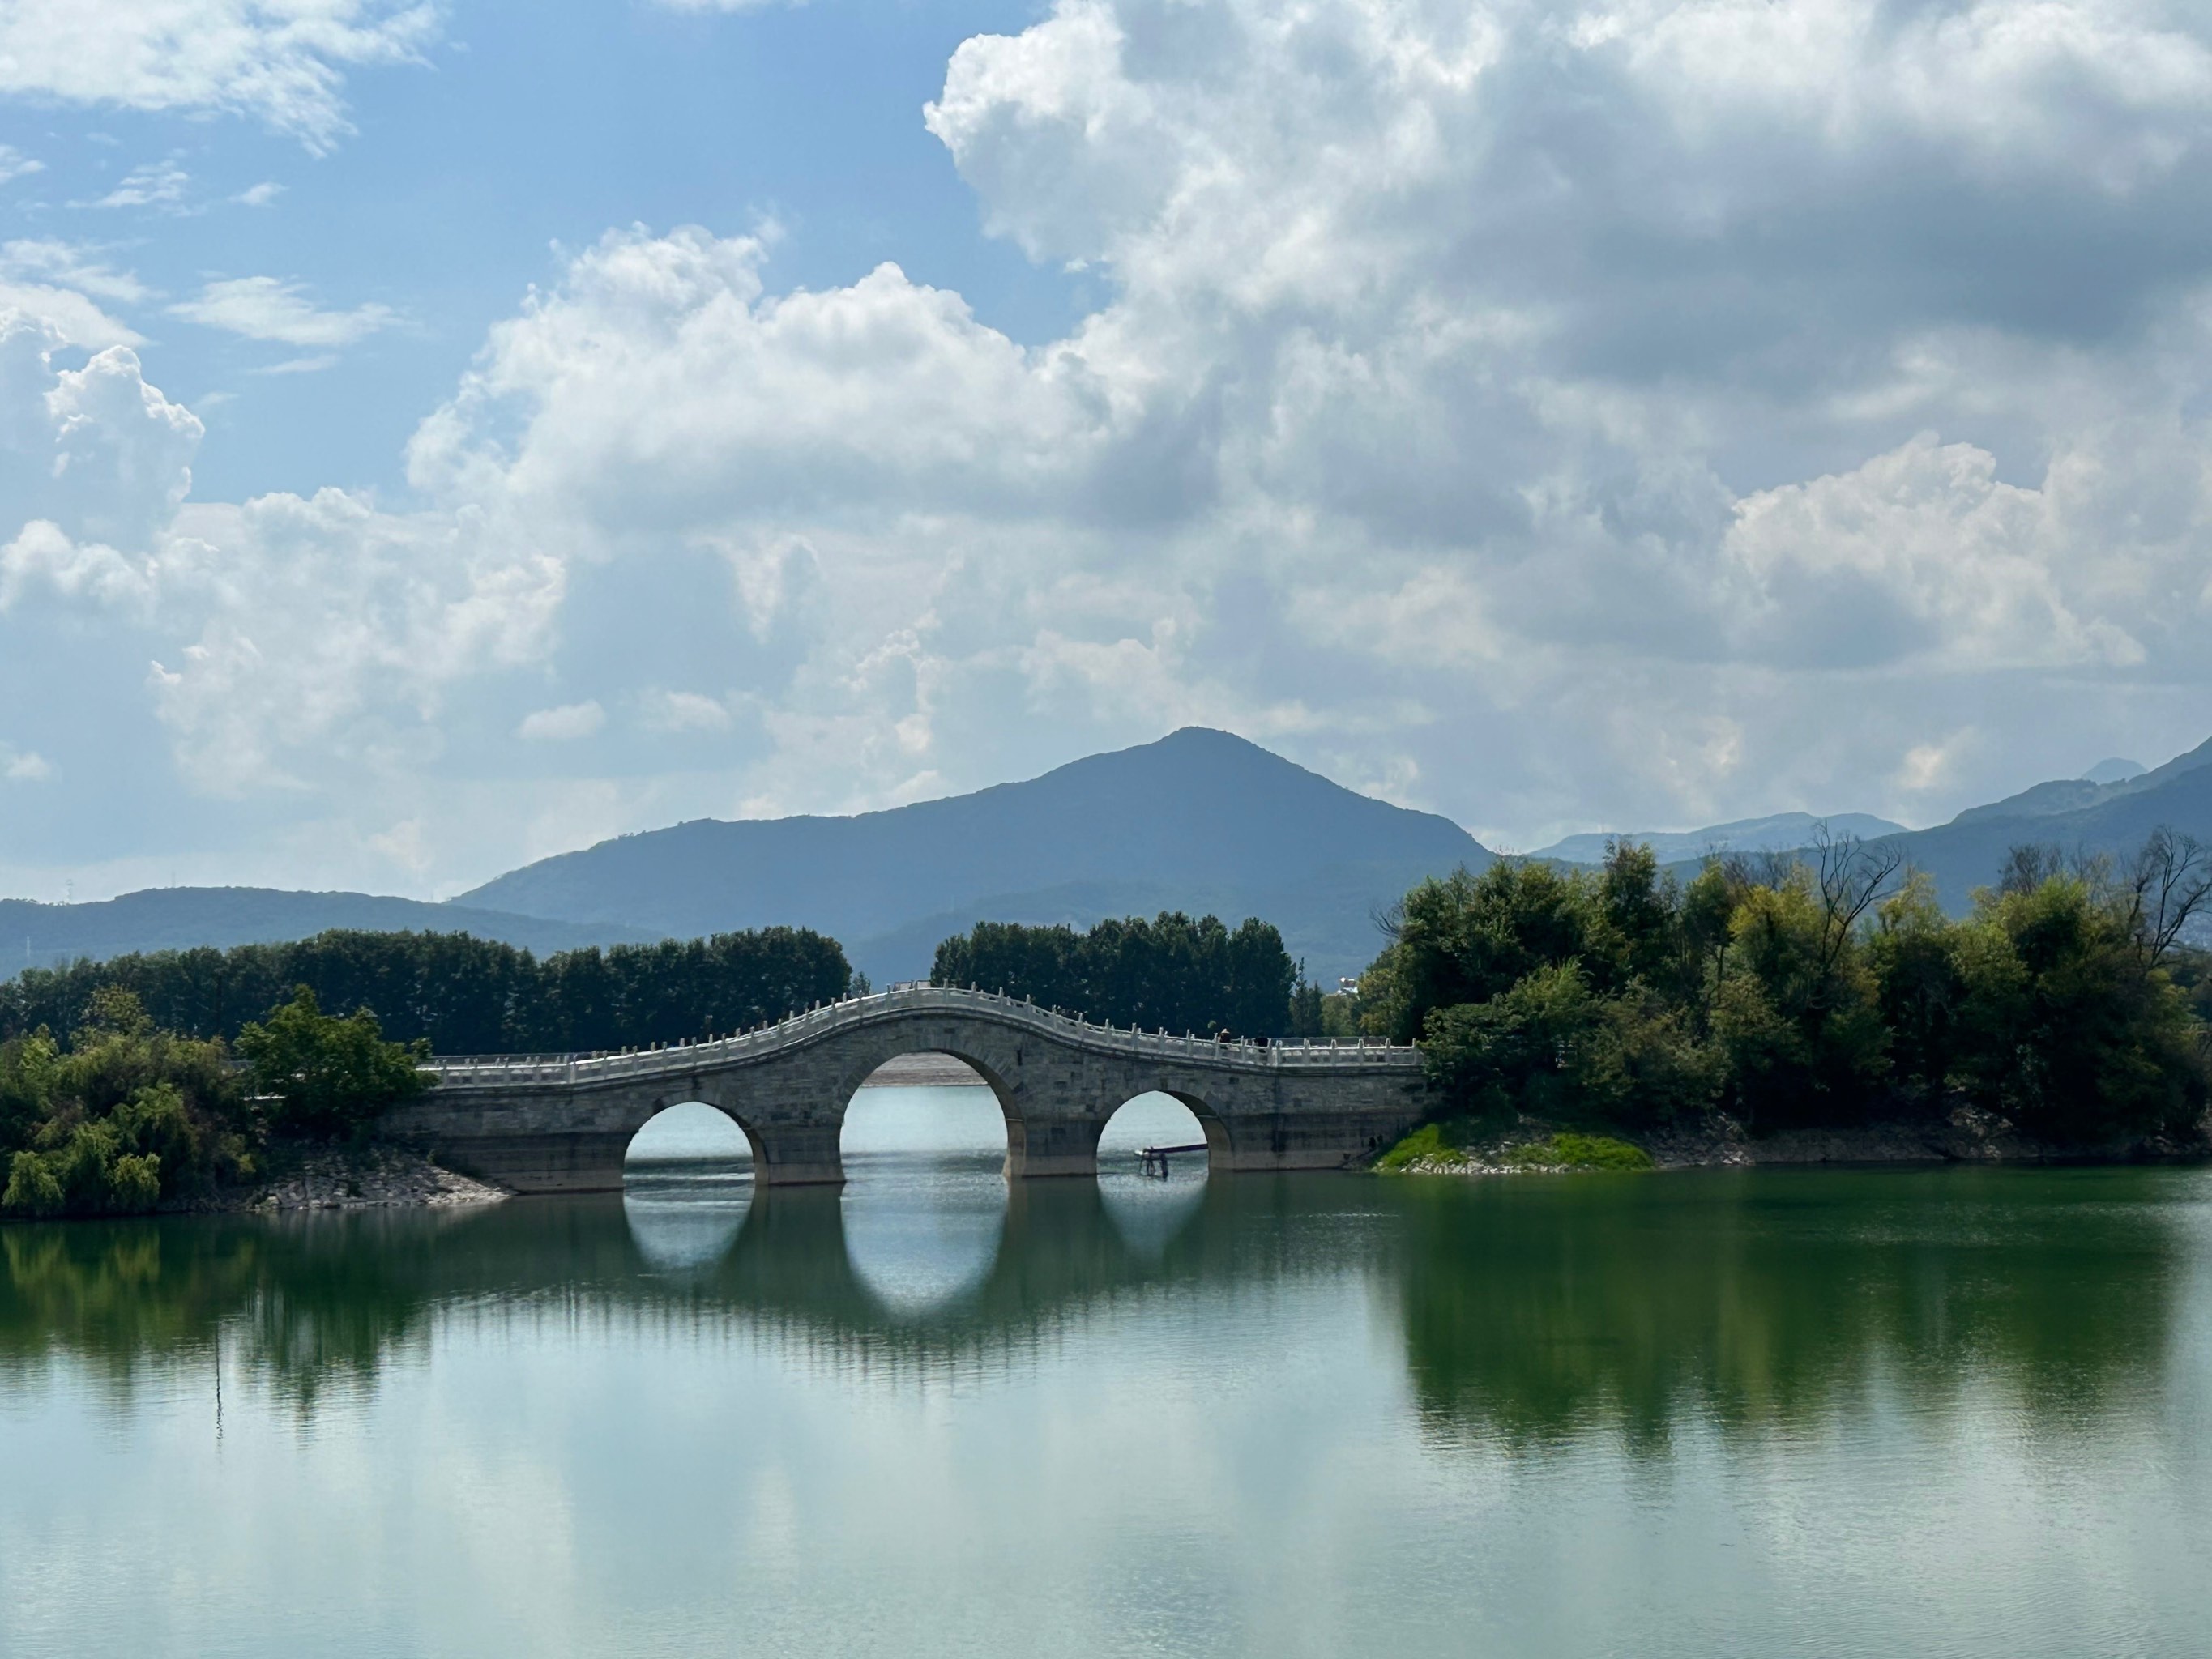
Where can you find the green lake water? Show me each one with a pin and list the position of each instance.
(1852, 1413)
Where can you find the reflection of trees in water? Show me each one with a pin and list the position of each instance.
(340, 1300)
(112, 1294)
(1538, 1310)
(307, 1304)
(1533, 1310)
(1062, 1262)
(299, 1304)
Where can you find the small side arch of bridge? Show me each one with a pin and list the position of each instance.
(563, 1123)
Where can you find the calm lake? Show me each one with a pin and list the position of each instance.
(1931, 1412)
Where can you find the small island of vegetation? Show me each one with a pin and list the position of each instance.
(1823, 991)
(126, 1115)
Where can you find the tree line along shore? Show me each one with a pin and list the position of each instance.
(1585, 1011)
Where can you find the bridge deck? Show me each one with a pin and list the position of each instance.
(682, 1059)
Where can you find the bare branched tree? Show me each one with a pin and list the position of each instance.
(2028, 864)
(1744, 871)
(1848, 876)
(2092, 867)
(2162, 888)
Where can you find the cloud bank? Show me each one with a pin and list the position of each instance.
(1643, 412)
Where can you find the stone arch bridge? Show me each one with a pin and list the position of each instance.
(543, 1124)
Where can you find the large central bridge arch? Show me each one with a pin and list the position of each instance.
(929, 1104)
(887, 1048)
(562, 1123)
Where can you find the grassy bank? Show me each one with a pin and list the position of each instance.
(1459, 1147)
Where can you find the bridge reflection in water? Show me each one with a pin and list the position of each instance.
(921, 1226)
(1530, 1313)
(924, 1211)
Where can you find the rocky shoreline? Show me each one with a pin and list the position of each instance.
(368, 1177)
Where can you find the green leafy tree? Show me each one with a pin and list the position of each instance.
(124, 1117)
(1635, 931)
(1796, 1013)
(1554, 1048)
(462, 995)
(1913, 954)
(2070, 1024)
(324, 1074)
(1523, 1049)
(1466, 939)
(1168, 972)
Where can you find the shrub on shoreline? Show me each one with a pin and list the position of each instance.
(120, 1118)
(1425, 1148)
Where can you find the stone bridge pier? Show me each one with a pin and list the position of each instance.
(564, 1125)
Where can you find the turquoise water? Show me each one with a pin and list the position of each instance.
(1939, 1412)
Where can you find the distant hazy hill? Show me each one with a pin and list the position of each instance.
(180, 918)
(1200, 820)
(2074, 814)
(1776, 834)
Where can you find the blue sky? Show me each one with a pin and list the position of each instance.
(436, 435)
(521, 129)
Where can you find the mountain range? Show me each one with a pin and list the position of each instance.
(1777, 834)
(2076, 815)
(1200, 821)
(2109, 809)
(181, 918)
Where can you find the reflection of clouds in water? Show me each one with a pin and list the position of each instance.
(924, 1201)
(687, 1182)
(680, 1226)
(1147, 1210)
